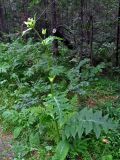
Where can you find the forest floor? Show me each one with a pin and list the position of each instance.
(5, 146)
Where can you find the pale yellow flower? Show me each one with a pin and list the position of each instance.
(44, 31)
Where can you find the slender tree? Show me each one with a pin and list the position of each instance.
(91, 39)
(90, 24)
(1, 18)
(45, 23)
(54, 25)
(118, 38)
(82, 27)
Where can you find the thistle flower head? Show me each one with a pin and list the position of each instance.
(30, 23)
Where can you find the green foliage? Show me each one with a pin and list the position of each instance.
(50, 39)
(85, 121)
(40, 100)
(17, 132)
(105, 52)
(61, 151)
(108, 157)
(35, 1)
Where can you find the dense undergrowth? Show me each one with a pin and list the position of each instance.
(57, 107)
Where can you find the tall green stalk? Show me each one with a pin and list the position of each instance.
(55, 120)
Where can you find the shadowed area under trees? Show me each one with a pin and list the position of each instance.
(84, 25)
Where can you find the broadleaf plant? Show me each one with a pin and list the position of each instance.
(45, 108)
(87, 121)
(61, 151)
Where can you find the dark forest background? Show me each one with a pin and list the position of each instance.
(91, 27)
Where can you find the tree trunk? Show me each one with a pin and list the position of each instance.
(118, 38)
(91, 39)
(1, 19)
(54, 26)
(82, 27)
(24, 13)
(45, 15)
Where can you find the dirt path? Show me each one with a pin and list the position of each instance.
(5, 146)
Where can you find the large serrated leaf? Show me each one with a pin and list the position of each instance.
(73, 130)
(97, 130)
(80, 129)
(87, 121)
(88, 128)
(67, 131)
(61, 151)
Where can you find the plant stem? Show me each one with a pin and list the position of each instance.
(52, 91)
(56, 123)
(57, 129)
(38, 34)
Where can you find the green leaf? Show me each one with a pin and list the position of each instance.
(50, 39)
(34, 139)
(97, 130)
(80, 129)
(88, 128)
(73, 130)
(108, 157)
(87, 121)
(61, 151)
(67, 131)
(17, 132)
